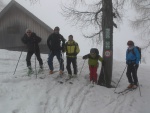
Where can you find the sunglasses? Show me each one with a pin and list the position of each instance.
(28, 32)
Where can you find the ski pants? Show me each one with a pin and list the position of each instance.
(72, 60)
(29, 55)
(132, 74)
(59, 57)
(93, 73)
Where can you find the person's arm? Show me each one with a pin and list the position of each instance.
(24, 39)
(49, 42)
(86, 56)
(63, 43)
(100, 58)
(77, 48)
(37, 38)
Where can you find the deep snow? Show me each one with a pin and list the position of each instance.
(22, 94)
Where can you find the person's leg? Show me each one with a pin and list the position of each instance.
(95, 75)
(68, 67)
(28, 58)
(91, 73)
(74, 63)
(50, 61)
(37, 53)
(134, 75)
(129, 70)
(60, 60)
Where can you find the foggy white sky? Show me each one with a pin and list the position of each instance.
(49, 12)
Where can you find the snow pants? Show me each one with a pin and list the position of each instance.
(93, 73)
(72, 60)
(132, 74)
(29, 55)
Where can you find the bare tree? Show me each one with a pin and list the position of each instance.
(142, 20)
(88, 16)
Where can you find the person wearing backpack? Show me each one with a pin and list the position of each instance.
(56, 43)
(93, 58)
(72, 49)
(132, 61)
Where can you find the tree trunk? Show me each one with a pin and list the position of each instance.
(107, 27)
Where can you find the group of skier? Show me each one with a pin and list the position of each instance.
(57, 46)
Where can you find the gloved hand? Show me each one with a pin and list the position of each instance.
(84, 57)
(63, 50)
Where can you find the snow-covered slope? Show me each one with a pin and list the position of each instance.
(22, 94)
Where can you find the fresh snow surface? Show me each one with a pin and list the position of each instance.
(22, 94)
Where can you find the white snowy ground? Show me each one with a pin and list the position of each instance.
(22, 94)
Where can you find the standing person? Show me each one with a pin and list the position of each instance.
(56, 43)
(132, 61)
(72, 49)
(93, 58)
(32, 40)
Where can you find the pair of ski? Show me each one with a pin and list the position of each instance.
(125, 91)
(65, 80)
(30, 72)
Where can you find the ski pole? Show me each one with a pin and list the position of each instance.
(35, 61)
(138, 83)
(35, 67)
(120, 78)
(17, 62)
(139, 89)
(82, 67)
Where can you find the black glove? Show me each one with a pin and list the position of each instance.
(84, 57)
(63, 50)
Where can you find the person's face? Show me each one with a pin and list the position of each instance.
(56, 31)
(28, 33)
(130, 45)
(93, 55)
(70, 38)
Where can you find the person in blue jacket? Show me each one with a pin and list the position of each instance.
(132, 61)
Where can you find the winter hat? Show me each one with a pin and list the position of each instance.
(56, 28)
(92, 51)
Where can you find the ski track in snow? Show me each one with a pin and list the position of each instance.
(22, 94)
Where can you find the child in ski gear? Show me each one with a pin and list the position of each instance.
(72, 49)
(93, 58)
(132, 61)
(56, 43)
(32, 40)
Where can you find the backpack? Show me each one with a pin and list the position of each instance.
(94, 50)
(139, 49)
